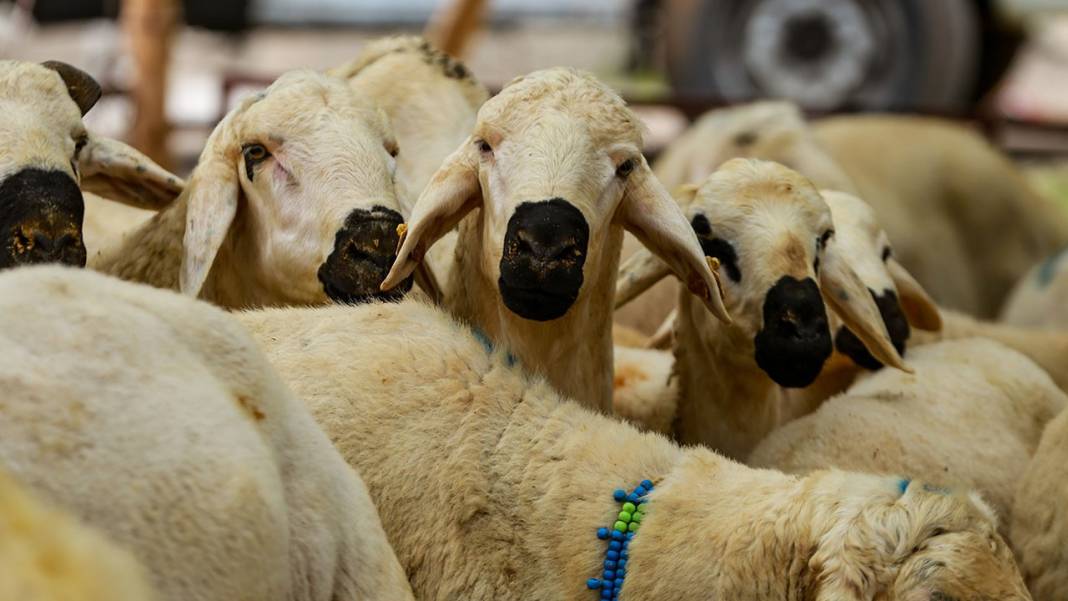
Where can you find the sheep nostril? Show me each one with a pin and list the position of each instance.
(23, 243)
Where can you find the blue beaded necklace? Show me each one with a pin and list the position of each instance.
(619, 536)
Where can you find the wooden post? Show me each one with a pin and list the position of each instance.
(452, 25)
(149, 28)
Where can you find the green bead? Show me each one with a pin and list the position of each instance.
(621, 526)
(629, 507)
(637, 517)
(624, 516)
(633, 526)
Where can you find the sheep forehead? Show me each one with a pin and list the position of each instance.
(590, 104)
(744, 188)
(41, 89)
(306, 102)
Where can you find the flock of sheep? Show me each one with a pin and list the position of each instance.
(290, 436)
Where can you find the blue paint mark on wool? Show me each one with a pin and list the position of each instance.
(1048, 268)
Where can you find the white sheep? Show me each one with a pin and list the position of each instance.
(773, 237)
(492, 486)
(293, 201)
(49, 158)
(156, 419)
(769, 130)
(971, 415)
(929, 179)
(542, 191)
(48, 556)
(1039, 298)
(1039, 517)
(431, 101)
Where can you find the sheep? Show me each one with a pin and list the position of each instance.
(431, 100)
(555, 172)
(769, 130)
(293, 201)
(488, 480)
(1038, 300)
(48, 556)
(646, 394)
(155, 419)
(971, 415)
(1039, 530)
(49, 158)
(772, 234)
(928, 179)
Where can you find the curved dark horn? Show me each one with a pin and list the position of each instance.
(81, 86)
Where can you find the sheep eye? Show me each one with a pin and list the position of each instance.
(484, 147)
(886, 254)
(625, 168)
(825, 237)
(254, 154)
(938, 532)
(79, 144)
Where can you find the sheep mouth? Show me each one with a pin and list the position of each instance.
(372, 295)
(897, 326)
(537, 304)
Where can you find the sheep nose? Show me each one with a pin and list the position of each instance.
(364, 251)
(42, 219)
(542, 259)
(794, 340)
(38, 246)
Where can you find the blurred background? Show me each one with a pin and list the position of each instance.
(172, 68)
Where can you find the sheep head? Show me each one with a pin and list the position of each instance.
(773, 130)
(49, 157)
(901, 300)
(924, 544)
(554, 165)
(773, 236)
(298, 182)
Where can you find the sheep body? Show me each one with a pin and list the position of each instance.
(155, 419)
(1040, 297)
(970, 416)
(504, 481)
(48, 556)
(1039, 520)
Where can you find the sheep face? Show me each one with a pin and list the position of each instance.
(929, 544)
(866, 244)
(773, 236)
(554, 165)
(49, 157)
(41, 205)
(301, 179)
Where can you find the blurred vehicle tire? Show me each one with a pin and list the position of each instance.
(828, 54)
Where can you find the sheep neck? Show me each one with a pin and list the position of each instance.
(726, 402)
(573, 352)
(151, 254)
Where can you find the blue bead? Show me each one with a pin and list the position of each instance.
(620, 573)
(613, 555)
(609, 575)
(606, 593)
(619, 494)
(609, 564)
(617, 535)
(633, 498)
(624, 555)
(593, 583)
(615, 545)
(622, 563)
(602, 533)
(630, 535)
(640, 491)
(647, 484)
(619, 582)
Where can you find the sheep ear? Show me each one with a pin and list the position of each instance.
(83, 89)
(212, 200)
(847, 295)
(118, 172)
(451, 194)
(919, 308)
(648, 212)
